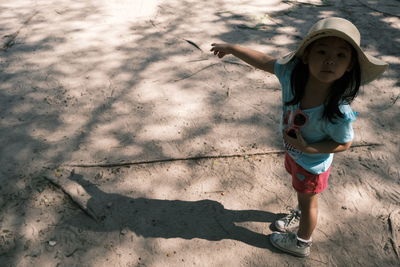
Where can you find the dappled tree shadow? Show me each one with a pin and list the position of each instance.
(98, 101)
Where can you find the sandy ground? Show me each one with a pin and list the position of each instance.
(100, 97)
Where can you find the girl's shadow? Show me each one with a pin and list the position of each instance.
(205, 219)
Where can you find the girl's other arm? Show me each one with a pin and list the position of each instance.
(328, 146)
(250, 56)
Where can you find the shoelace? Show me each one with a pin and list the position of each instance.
(291, 218)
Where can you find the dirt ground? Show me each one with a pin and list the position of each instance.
(124, 142)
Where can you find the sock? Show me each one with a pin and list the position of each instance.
(303, 242)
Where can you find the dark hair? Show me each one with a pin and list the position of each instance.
(343, 90)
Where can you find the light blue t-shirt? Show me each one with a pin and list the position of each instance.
(316, 129)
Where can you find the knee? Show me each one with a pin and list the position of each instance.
(308, 203)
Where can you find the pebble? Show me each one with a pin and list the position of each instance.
(124, 232)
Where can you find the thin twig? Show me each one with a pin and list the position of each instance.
(121, 164)
(393, 231)
(237, 63)
(306, 4)
(211, 65)
(395, 100)
(177, 80)
(11, 37)
(377, 10)
(194, 44)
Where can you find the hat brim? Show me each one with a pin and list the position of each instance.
(371, 67)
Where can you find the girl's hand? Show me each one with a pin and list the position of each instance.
(221, 50)
(299, 143)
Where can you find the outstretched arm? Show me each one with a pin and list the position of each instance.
(250, 56)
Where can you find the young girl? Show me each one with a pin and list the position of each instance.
(319, 80)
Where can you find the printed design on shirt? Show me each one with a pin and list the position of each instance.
(286, 117)
(288, 122)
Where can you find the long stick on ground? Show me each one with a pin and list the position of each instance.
(121, 164)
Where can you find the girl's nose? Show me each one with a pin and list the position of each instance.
(329, 61)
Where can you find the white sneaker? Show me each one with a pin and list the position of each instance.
(288, 242)
(289, 222)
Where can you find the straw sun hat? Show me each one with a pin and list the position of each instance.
(371, 67)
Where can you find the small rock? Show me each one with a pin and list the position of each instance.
(52, 243)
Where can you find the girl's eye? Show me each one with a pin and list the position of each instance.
(321, 52)
(342, 55)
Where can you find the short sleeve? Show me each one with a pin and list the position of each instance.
(279, 70)
(342, 130)
(284, 72)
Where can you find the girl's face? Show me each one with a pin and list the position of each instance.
(328, 59)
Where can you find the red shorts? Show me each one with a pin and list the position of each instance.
(304, 181)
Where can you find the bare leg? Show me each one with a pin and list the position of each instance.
(308, 204)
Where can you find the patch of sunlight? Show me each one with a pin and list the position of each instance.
(327, 13)
(226, 144)
(257, 7)
(129, 10)
(282, 39)
(181, 103)
(164, 191)
(160, 132)
(392, 22)
(147, 92)
(183, 110)
(127, 151)
(233, 129)
(102, 143)
(166, 247)
(287, 30)
(106, 128)
(195, 143)
(92, 257)
(206, 184)
(359, 197)
(391, 59)
(123, 107)
(97, 78)
(121, 124)
(74, 118)
(124, 76)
